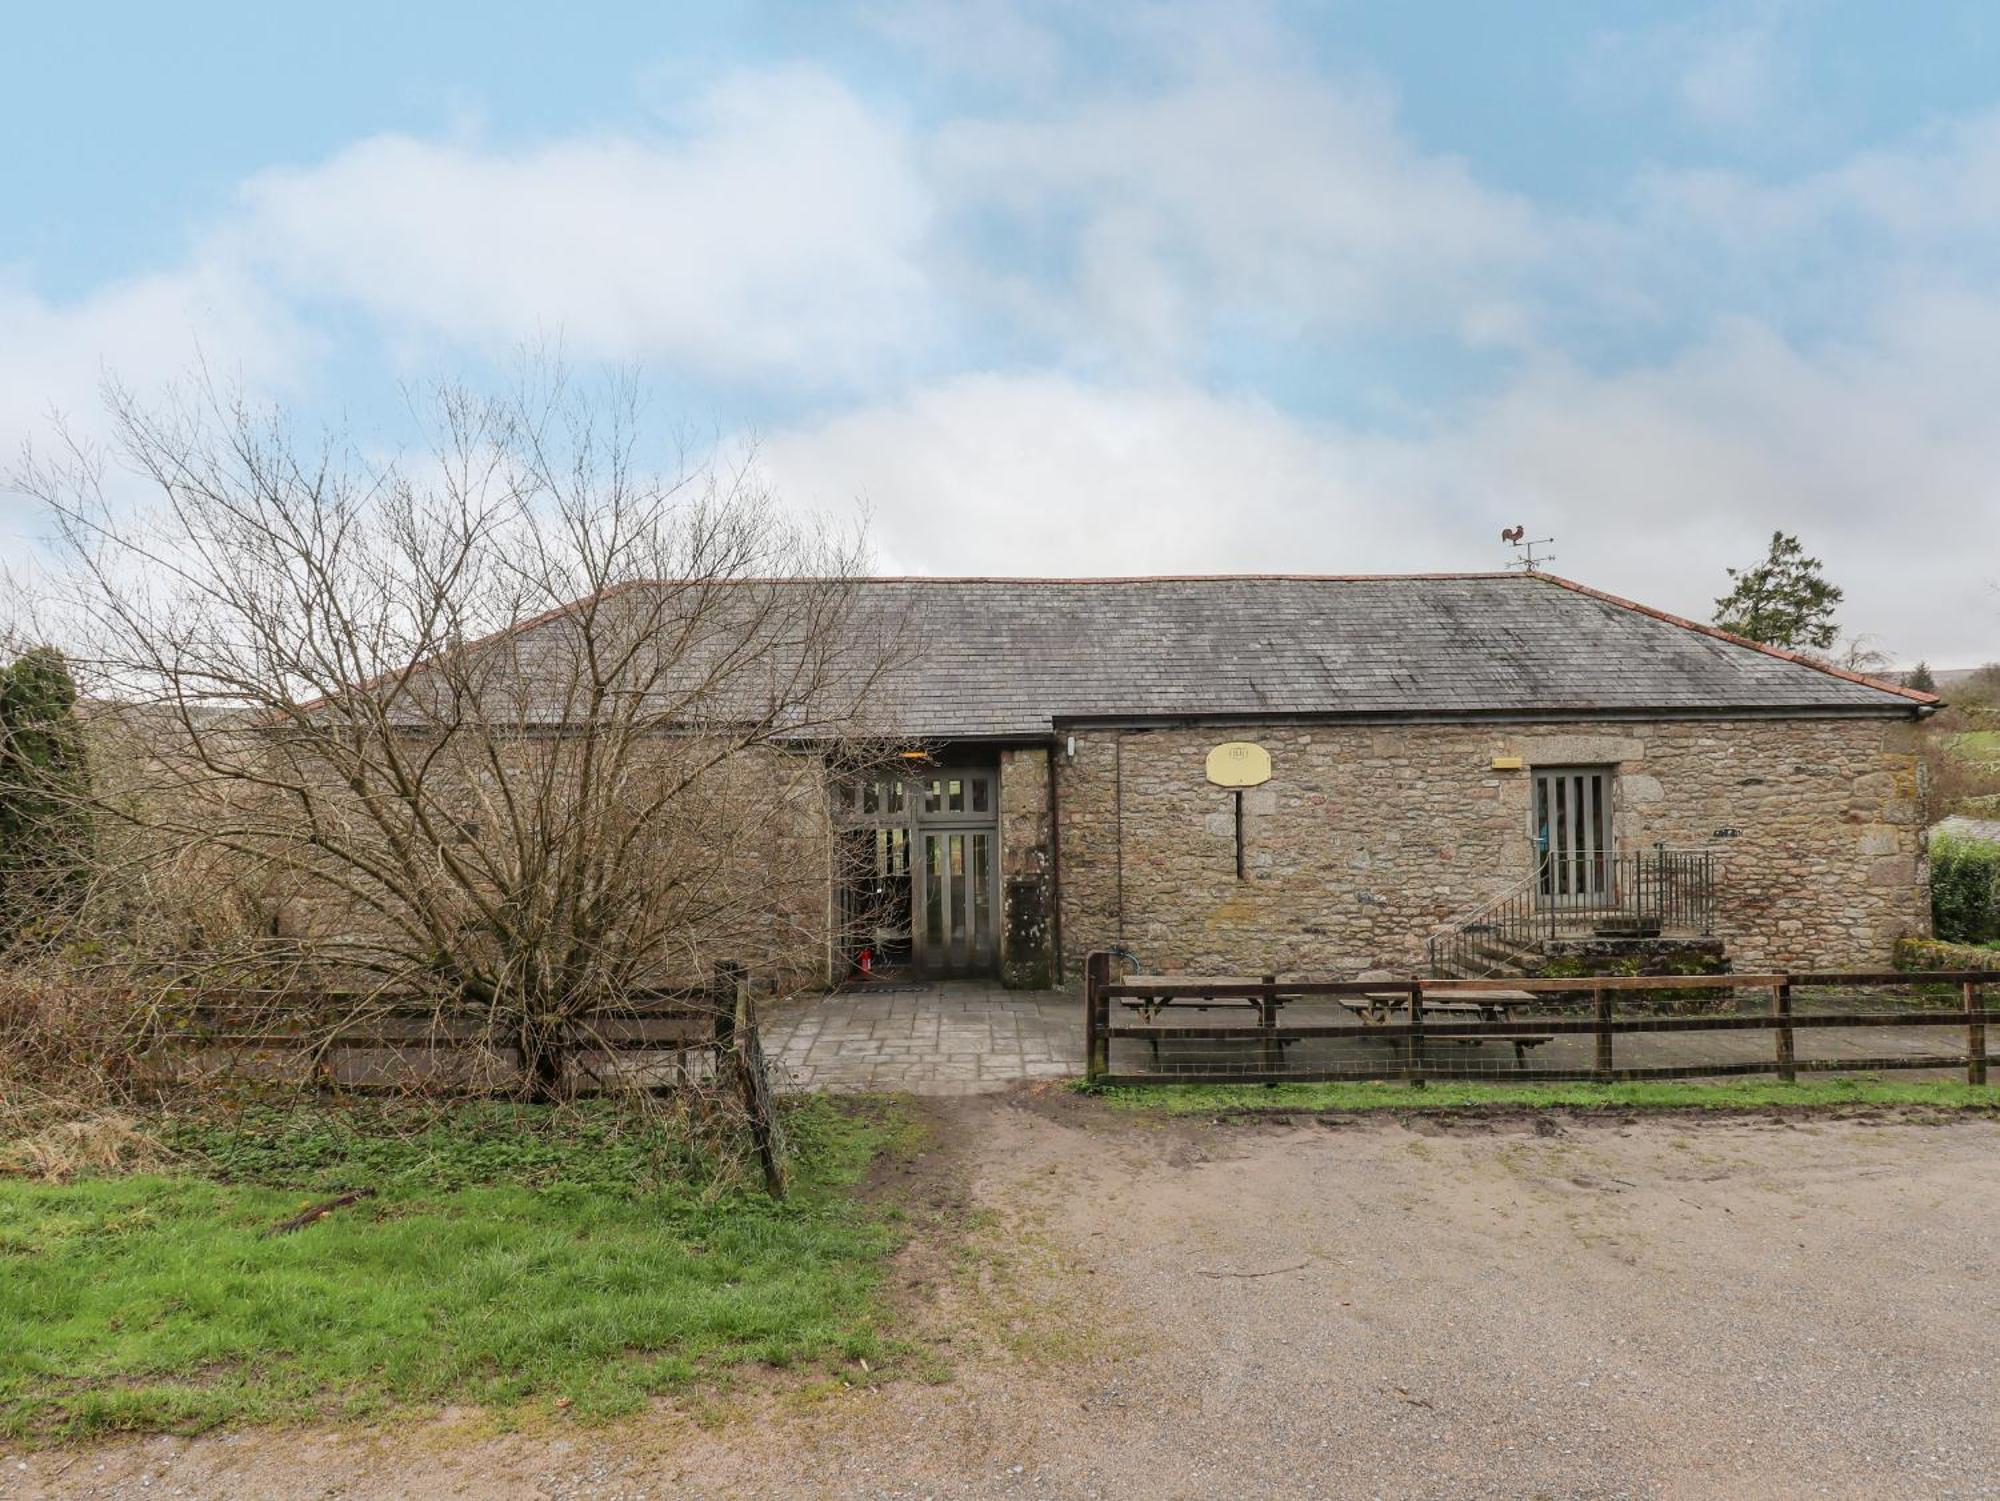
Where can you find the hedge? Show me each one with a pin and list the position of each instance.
(1965, 890)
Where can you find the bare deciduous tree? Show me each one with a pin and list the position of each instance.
(521, 729)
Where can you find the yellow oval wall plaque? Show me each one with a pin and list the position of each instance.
(1239, 764)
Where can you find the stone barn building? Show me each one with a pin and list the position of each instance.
(1309, 775)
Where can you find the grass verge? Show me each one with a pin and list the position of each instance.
(1980, 746)
(1859, 1090)
(506, 1256)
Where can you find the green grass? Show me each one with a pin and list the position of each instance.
(1982, 746)
(505, 1258)
(1208, 1099)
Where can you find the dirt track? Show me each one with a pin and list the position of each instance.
(1659, 1308)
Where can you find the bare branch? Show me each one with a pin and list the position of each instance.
(521, 726)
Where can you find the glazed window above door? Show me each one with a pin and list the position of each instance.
(959, 795)
(873, 800)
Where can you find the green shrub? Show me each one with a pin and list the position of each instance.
(44, 829)
(1927, 953)
(1965, 890)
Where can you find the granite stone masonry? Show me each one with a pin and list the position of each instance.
(1367, 837)
(1406, 719)
(1026, 931)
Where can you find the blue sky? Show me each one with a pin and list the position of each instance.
(1128, 287)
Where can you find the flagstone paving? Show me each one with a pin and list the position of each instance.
(955, 1037)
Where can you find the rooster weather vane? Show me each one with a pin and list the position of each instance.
(1524, 550)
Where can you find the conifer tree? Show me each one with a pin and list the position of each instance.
(1784, 600)
(44, 826)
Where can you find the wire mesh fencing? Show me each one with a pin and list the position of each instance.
(1264, 1029)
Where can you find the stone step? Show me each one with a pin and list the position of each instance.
(1494, 959)
(1503, 948)
(1473, 969)
(1626, 927)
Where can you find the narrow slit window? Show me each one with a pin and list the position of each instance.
(1572, 835)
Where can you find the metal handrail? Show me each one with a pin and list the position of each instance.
(1492, 904)
(1668, 887)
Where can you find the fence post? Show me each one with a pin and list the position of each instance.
(727, 986)
(741, 1050)
(1096, 1046)
(1414, 1059)
(1602, 997)
(1975, 1034)
(1267, 1017)
(1781, 1008)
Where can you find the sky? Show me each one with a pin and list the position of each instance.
(1119, 288)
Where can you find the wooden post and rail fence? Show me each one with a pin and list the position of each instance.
(717, 1020)
(333, 1021)
(1417, 1015)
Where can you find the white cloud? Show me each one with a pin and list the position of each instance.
(1732, 70)
(1238, 197)
(54, 356)
(795, 238)
(1883, 454)
(1927, 193)
(779, 236)
(145, 332)
(1734, 77)
(995, 41)
(1045, 474)
(787, 234)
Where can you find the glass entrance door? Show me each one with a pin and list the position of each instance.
(957, 935)
(919, 878)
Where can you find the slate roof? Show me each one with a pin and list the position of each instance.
(1017, 657)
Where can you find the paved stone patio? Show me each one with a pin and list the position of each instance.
(958, 1037)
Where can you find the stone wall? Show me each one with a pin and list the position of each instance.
(1562, 958)
(1369, 836)
(1025, 916)
(749, 840)
(1573, 958)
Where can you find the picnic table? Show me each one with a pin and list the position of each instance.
(1384, 1007)
(1219, 992)
(1375, 1008)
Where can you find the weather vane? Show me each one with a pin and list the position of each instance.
(1524, 550)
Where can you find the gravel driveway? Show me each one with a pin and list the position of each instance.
(1657, 1308)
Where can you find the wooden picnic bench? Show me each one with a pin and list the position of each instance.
(1220, 993)
(1386, 1007)
(1375, 1008)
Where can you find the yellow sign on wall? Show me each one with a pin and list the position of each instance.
(1238, 763)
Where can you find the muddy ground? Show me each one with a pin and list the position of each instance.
(1516, 1306)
